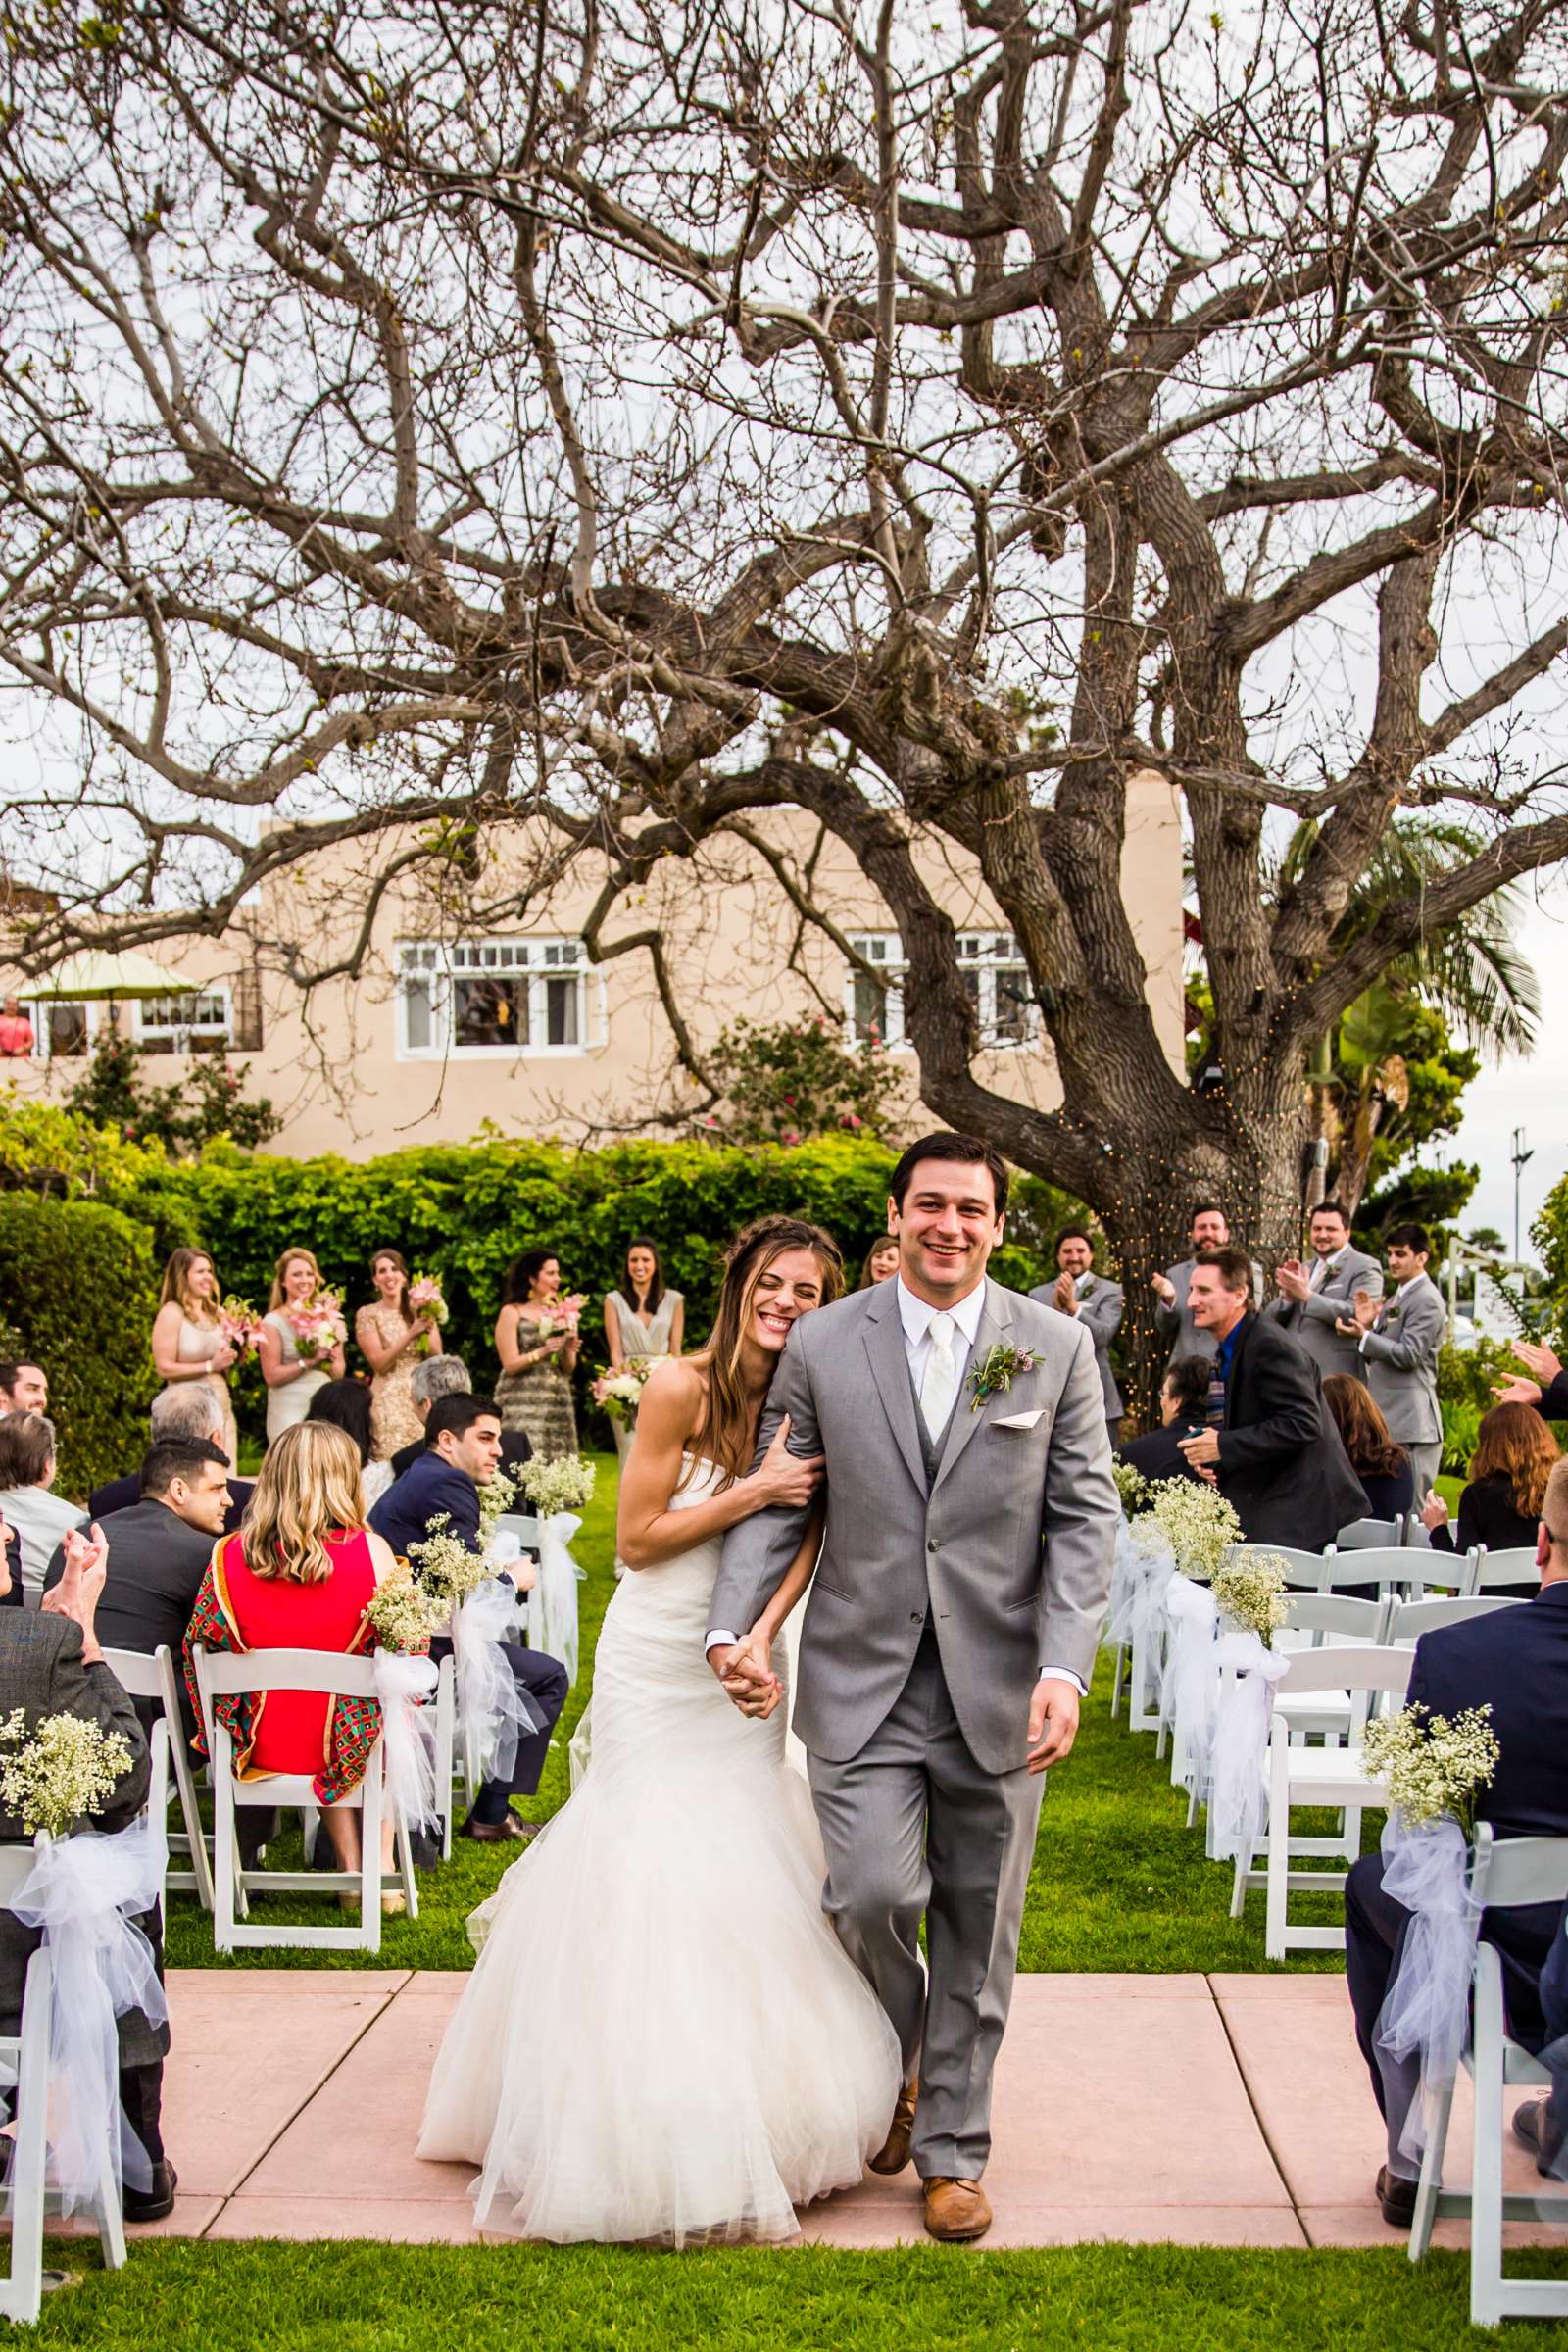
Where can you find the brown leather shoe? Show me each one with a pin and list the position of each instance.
(955, 2210)
(893, 2153)
(510, 1829)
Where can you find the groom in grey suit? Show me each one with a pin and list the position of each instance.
(949, 1633)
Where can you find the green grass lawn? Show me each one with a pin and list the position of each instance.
(188, 2297)
(1120, 1882)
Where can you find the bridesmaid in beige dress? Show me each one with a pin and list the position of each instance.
(392, 1340)
(188, 1342)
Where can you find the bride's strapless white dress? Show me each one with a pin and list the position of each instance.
(663, 2039)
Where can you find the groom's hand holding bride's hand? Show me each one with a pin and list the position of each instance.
(1053, 1722)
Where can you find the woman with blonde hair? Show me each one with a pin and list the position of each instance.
(664, 2040)
(189, 1342)
(1500, 1507)
(299, 1340)
(300, 1575)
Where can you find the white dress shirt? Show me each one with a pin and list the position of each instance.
(915, 1317)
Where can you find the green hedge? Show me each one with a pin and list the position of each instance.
(465, 1212)
(77, 1282)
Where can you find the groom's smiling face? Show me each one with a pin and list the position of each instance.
(946, 1229)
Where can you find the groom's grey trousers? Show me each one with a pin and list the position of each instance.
(913, 1825)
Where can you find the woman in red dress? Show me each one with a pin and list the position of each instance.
(300, 1575)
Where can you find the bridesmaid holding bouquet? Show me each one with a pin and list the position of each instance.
(537, 1342)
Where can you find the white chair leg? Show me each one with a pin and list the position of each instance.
(370, 1793)
(106, 2211)
(405, 1861)
(1115, 1687)
(1276, 1890)
(31, 2155)
(1432, 2161)
(191, 1814)
(225, 1859)
(1485, 2164)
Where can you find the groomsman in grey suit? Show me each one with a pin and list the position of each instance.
(1398, 1340)
(949, 1637)
(1096, 1301)
(1173, 1316)
(1314, 1301)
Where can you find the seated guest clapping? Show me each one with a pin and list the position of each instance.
(462, 1453)
(1183, 1406)
(448, 1376)
(1388, 1480)
(32, 1511)
(300, 1575)
(1500, 1507)
(178, 1414)
(159, 1548)
(1514, 1661)
(51, 1663)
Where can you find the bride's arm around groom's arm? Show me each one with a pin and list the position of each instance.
(759, 1550)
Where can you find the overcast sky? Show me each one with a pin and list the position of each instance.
(1529, 1092)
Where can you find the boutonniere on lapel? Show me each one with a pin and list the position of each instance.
(1391, 1314)
(996, 1374)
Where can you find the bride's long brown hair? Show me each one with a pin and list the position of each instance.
(725, 1434)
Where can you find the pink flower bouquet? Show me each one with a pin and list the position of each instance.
(427, 1299)
(562, 1313)
(317, 1326)
(238, 1322)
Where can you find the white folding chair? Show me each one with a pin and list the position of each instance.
(1318, 1621)
(1507, 1873)
(1303, 1571)
(1335, 1776)
(144, 1676)
(526, 1530)
(24, 2074)
(1370, 1534)
(1490, 1569)
(446, 1732)
(1431, 1575)
(1408, 1620)
(259, 1670)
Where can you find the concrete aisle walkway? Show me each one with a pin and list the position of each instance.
(1202, 2110)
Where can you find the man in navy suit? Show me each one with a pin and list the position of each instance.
(461, 1449)
(1514, 1661)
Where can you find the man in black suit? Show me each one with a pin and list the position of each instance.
(1183, 1410)
(1514, 1661)
(179, 1413)
(439, 1376)
(1271, 1443)
(462, 1453)
(159, 1548)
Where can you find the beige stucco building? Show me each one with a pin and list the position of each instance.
(482, 1002)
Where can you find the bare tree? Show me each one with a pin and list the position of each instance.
(627, 418)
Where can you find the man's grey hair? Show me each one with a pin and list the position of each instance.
(186, 1408)
(439, 1376)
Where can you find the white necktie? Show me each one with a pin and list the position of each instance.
(939, 1384)
(1320, 1273)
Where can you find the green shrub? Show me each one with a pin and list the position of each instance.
(464, 1210)
(77, 1282)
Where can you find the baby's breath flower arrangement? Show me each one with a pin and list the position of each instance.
(445, 1570)
(1131, 1487)
(63, 1771)
(1252, 1594)
(402, 1615)
(495, 1501)
(1197, 1522)
(564, 1483)
(1430, 1765)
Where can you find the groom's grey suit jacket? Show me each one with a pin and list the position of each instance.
(1003, 1536)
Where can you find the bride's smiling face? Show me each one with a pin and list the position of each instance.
(788, 1286)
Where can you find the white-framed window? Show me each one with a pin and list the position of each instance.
(493, 996)
(176, 1024)
(63, 1029)
(994, 976)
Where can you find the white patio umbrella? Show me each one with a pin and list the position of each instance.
(93, 974)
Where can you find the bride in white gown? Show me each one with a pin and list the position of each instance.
(662, 2039)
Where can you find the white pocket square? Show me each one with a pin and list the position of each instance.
(1019, 1420)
